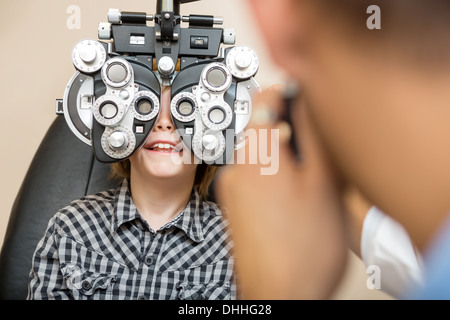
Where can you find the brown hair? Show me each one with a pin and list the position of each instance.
(416, 31)
(203, 176)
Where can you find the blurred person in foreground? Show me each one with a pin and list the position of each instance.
(372, 113)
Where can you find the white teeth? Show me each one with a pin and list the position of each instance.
(164, 146)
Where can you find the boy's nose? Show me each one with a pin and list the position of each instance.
(164, 122)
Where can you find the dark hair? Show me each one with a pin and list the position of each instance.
(417, 31)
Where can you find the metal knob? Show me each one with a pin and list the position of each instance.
(104, 31)
(210, 142)
(166, 66)
(243, 60)
(117, 140)
(87, 53)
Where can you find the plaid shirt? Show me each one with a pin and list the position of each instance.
(99, 247)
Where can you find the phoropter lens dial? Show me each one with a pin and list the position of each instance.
(108, 110)
(216, 77)
(184, 107)
(145, 106)
(217, 115)
(117, 72)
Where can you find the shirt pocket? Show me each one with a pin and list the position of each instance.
(85, 284)
(210, 291)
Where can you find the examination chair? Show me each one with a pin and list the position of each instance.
(63, 169)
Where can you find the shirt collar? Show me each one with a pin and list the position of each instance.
(188, 220)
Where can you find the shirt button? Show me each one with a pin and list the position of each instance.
(142, 298)
(86, 285)
(149, 260)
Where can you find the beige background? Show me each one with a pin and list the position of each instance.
(36, 44)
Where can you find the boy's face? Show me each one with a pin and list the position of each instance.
(163, 155)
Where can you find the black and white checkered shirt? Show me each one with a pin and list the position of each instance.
(99, 247)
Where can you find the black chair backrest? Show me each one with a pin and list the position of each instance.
(63, 169)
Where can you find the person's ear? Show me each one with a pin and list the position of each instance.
(271, 19)
(283, 25)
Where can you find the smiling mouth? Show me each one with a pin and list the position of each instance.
(164, 147)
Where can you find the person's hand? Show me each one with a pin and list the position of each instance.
(288, 227)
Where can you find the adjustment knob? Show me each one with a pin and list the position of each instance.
(208, 145)
(104, 31)
(88, 56)
(87, 53)
(114, 16)
(166, 66)
(210, 142)
(117, 140)
(242, 62)
(229, 36)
